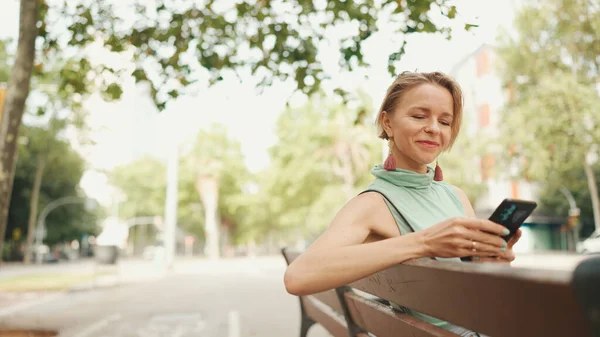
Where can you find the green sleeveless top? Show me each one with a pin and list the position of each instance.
(422, 201)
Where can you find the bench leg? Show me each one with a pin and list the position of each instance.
(305, 324)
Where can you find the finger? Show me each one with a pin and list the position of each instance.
(474, 248)
(509, 255)
(515, 238)
(485, 225)
(487, 238)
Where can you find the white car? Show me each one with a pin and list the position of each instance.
(590, 245)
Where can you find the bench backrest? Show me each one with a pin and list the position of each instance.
(493, 299)
(324, 308)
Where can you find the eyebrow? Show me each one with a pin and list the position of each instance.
(444, 114)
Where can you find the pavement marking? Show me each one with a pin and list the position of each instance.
(29, 304)
(233, 324)
(90, 329)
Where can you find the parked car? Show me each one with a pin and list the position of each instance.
(590, 245)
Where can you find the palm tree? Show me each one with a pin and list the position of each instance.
(216, 164)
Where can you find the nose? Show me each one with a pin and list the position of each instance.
(432, 127)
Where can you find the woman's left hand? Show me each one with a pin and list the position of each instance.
(506, 257)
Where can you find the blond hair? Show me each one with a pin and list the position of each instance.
(408, 80)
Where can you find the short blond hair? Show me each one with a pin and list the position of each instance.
(408, 80)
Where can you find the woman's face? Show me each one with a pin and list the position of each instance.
(421, 125)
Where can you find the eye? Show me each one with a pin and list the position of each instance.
(445, 123)
(418, 117)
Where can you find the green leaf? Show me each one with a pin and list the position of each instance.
(114, 91)
(452, 14)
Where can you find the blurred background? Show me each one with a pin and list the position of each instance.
(197, 138)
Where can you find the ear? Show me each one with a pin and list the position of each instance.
(386, 123)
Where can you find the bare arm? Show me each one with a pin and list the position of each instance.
(464, 200)
(340, 257)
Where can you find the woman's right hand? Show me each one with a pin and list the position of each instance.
(464, 236)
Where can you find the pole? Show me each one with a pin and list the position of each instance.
(171, 206)
(39, 234)
(573, 215)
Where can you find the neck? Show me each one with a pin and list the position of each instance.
(403, 162)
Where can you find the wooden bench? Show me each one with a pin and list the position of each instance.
(492, 299)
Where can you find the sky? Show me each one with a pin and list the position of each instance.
(130, 128)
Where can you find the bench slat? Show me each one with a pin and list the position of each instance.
(383, 321)
(290, 255)
(331, 299)
(524, 302)
(328, 297)
(323, 314)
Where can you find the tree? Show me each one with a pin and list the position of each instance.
(348, 144)
(143, 182)
(63, 170)
(556, 128)
(554, 203)
(215, 155)
(42, 152)
(320, 160)
(50, 104)
(551, 68)
(551, 35)
(170, 42)
(216, 168)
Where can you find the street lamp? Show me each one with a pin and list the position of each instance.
(573, 214)
(41, 230)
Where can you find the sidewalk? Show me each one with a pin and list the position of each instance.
(122, 273)
(14, 269)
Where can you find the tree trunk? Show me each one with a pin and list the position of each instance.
(14, 105)
(591, 180)
(208, 188)
(33, 206)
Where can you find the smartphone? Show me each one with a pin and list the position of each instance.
(511, 213)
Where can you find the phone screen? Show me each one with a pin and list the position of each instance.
(511, 213)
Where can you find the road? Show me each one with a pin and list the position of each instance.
(229, 298)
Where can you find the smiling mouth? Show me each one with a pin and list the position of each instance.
(428, 144)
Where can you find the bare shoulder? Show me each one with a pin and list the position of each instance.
(369, 210)
(354, 223)
(464, 199)
(363, 209)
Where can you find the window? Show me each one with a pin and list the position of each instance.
(483, 63)
(514, 189)
(484, 115)
(487, 167)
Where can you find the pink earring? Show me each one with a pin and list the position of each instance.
(439, 175)
(390, 162)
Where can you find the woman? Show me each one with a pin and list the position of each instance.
(407, 212)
